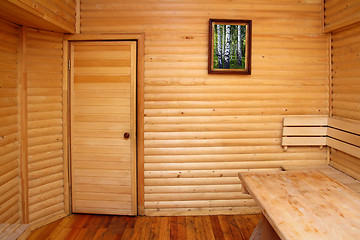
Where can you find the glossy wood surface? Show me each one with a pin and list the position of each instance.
(76, 226)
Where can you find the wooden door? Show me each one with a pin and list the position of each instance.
(103, 127)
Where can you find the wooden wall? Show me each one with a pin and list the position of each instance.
(340, 14)
(345, 96)
(201, 129)
(54, 15)
(44, 60)
(33, 177)
(10, 201)
(345, 73)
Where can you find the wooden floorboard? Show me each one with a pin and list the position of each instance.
(82, 226)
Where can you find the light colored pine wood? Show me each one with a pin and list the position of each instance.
(45, 127)
(332, 173)
(341, 135)
(117, 155)
(345, 67)
(54, 15)
(290, 210)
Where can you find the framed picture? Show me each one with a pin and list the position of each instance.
(229, 46)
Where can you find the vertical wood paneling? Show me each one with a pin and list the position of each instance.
(346, 89)
(54, 15)
(339, 14)
(201, 129)
(45, 126)
(9, 125)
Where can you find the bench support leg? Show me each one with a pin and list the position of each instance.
(264, 231)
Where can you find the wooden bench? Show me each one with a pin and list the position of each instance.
(323, 131)
(14, 231)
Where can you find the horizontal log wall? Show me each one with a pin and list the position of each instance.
(31, 109)
(45, 126)
(200, 129)
(54, 15)
(339, 14)
(9, 124)
(346, 89)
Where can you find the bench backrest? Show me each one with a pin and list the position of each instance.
(321, 131)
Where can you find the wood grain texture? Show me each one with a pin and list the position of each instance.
(23, 110)
(340, 14)
(199, 125)
(103, 109)
(295, 215)
(78, 226)
(331, 172)
(14, 231)
(10, 195)
(53, 15)
(345, 69)
(45, 126)
(346, 89)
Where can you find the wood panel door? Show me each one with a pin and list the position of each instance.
(103, 127)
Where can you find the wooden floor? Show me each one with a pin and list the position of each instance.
(79, 227)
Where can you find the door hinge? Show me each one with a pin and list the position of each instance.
(69, 64)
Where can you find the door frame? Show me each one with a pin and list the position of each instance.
(140, 67)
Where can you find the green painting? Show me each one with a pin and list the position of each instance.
(230, 46)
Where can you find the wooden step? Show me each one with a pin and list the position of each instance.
(14, 231)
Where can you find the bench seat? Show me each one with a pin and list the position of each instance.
(330, 172)
(14, 231)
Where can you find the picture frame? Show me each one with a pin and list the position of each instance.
(229, 46)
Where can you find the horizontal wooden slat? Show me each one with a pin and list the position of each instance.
(304, 141)
(200, 203)
(203, 211)
(45, 113)
(344, 147)
(54, 15)
(194, 196)
(340, 14)
(9, 125)
(200, 125)
(304, 131)
(305, 121)
(345, 163)
(345, 137)
(344, 125)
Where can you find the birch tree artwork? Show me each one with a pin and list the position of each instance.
(229, 46)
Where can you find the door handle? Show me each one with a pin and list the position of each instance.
(126, 135)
